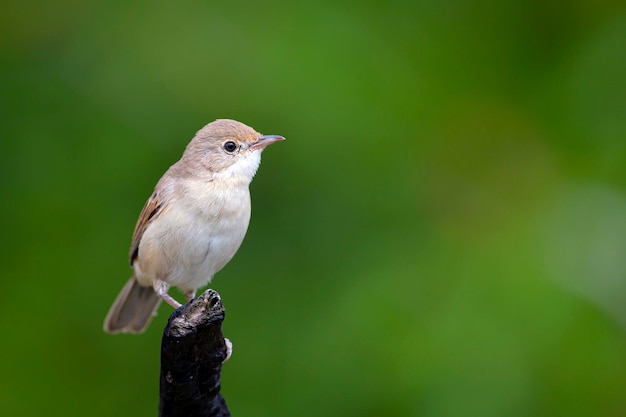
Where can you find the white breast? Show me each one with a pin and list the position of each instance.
(195, 236)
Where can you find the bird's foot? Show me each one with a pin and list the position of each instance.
(170, 300)
(161, 289)
(190, 295)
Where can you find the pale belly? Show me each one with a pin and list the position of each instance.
(186, 247)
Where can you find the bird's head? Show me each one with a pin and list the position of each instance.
(227, 149)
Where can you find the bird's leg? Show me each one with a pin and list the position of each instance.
(190, 295)
(161, 288)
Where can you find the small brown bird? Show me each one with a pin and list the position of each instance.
(193, 223)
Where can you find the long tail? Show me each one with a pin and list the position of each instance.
(133, 309)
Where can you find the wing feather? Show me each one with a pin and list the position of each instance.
(150, 211)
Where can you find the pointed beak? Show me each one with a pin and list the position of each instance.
(265, 140)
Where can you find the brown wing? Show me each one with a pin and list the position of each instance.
(150, 211)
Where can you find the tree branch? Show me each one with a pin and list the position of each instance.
(192, 352)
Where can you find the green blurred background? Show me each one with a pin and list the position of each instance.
(442, 234)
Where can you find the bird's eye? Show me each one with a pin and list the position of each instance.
(230, 146)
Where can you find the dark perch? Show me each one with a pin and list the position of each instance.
(192, 351)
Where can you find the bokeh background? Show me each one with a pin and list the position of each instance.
(442, 234)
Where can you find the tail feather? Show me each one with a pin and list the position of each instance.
(133, 309)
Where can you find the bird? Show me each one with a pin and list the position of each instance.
(192, 224)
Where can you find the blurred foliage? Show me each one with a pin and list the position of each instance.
(442, 234)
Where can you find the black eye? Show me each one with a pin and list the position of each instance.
(230, 146)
